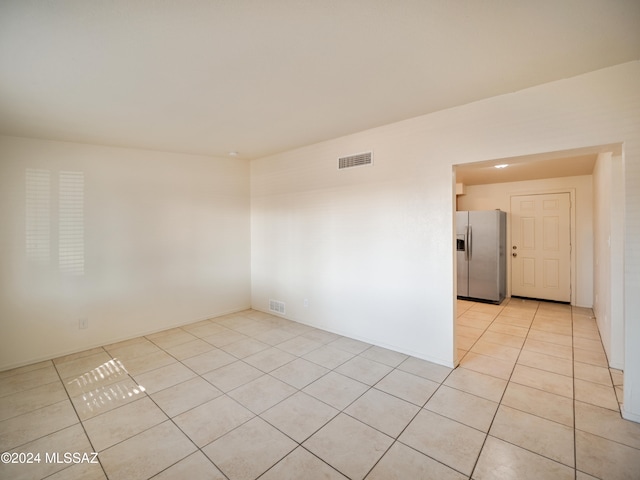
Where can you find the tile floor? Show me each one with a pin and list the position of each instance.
(251, 395)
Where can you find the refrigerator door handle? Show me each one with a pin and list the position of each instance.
(468, 252)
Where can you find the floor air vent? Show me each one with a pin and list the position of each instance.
(277, 307)
(356, 160)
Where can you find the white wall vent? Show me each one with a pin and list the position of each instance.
(355, 160)
(277, 307)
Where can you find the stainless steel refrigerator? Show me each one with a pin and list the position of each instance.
(481, 238)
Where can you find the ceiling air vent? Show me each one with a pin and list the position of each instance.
(356, 160)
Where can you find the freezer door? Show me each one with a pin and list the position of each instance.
(462, 223)
(484, 255)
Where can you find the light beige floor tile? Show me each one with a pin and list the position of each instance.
(463, 407)
(299, 416)
(480, 317)
(262, 393)
(465, 343)
(407, 386)
(208, 329)
(213, 419)
(108, 373)
(81, 471)
(520, 313)
(486, 308)
(336, 390)
(223, 337)
(363, 370)
(349, 446)
(269, 359)
(588, 344)
(383, 412)
(616, 375)
(250, 450)
(28, 379)
(232, 376)
(503, 461)
(164, 377)
(321, 336)
(274, 336)
(607, 424)
(244, 348)
(552, 349)
(476, 383)
(208, 361)
(28, 400)
(474, 320)
(350, 345)
(384, 356)
(545, 362)
(488, 365)
(552, 327)
(595, 394)
(302, 464)
(328, 356)
(255, 328)
(102, 399)
(544, 437)
(548, 337)
(584, 476)
(70, 439)
(146, 363)
(29, 426)
(299, 373)
(83, 365)
(588, 356)
(603, 458)
(185, 396)
(196, 466)
(586, 332)
(138, 347)
(299, 346)
(171, 338)
(189, 349)
(28, 368)
(402, 463)
(447, 441)
(508, 329)
(522, 322)
(143, 456)
(619, 394)
(425, 369)
(124, 422)
(469, 332)
(495, 350)
(542, 380)
(75, 356)
(543, 404)
(507, 340)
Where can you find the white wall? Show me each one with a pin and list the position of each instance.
(498, 195)
(372, 248)
(166, 242)
(608, 234)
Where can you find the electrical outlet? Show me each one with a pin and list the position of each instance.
(83, 323)
(306, 303)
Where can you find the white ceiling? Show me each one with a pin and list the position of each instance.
(263, 76)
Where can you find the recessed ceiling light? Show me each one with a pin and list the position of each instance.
(233, 154)
(502, 165)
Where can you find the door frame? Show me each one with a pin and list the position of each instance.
(572, 234)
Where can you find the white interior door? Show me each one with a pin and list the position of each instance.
(541, 246)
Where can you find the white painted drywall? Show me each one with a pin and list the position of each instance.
(498, 195)
(372, 248)
(608, 255)
(166, 242)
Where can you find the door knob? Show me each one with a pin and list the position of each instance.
(514, 254)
